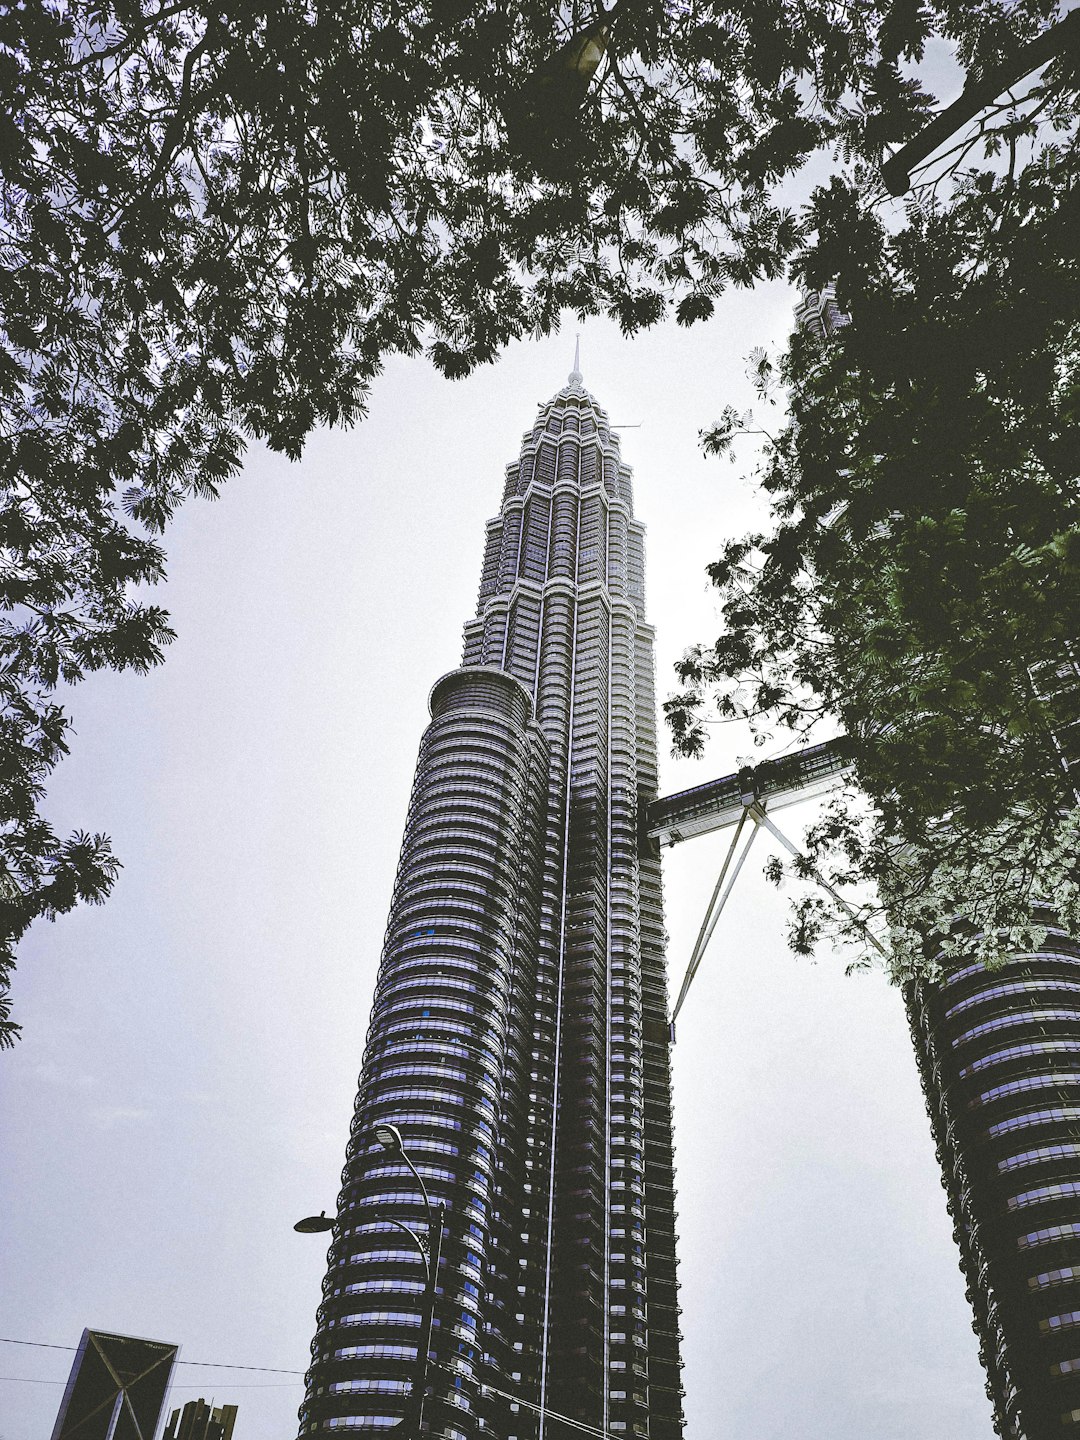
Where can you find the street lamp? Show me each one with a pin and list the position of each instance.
(389, 1137)
(315, 1224)
(430, 1248)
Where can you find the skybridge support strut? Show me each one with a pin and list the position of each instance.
(735, 799)
(716, 905)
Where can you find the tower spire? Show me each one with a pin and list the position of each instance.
(575, 374)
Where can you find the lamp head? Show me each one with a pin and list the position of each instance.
(314, 1224)
(389, 1137)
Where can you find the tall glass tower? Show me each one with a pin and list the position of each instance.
(519, 1036)
(999, 1059)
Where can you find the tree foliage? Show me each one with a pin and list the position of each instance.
(921, 583)
(219, 218)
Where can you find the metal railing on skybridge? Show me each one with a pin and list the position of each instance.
(775, 783)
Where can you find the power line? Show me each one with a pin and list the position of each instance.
(199, 1364)
(545, 1410)
(272, 1370)
(237, 1385)
(37, 1344)
(217, 1365)
(244, 1384)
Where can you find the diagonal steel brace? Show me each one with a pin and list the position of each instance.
(753, 810)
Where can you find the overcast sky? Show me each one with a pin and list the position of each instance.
(184, 1087)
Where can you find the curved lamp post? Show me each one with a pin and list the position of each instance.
(430, 1248)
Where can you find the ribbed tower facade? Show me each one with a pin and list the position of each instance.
(999, 1058)
(519, 1036)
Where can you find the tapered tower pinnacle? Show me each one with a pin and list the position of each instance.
(575, 374)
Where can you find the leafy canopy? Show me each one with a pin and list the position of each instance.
(921, 583)
(218, 219)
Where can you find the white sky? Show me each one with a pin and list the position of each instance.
(183, 1090)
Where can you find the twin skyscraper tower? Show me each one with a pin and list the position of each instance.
(515, 1105)
(519, 1038)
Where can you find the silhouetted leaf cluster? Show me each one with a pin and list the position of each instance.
(921, 583)
(219, 219)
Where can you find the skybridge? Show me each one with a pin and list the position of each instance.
(774, 784)
(751, 794)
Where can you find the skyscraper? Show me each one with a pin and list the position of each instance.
(116, 1388)
(998, 1052)
(999, 1058)
(200, 1421)
(519, 1036)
